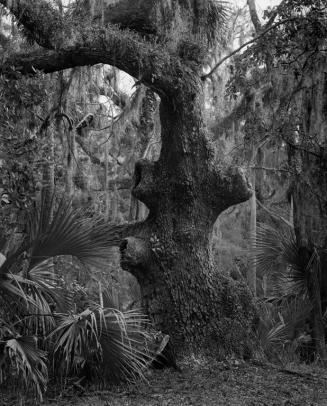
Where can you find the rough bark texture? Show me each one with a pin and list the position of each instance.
(145, 133)
(185, 190)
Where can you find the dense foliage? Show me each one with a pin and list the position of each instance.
(80, 132)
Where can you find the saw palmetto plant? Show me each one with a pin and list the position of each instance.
(294, 282)
(39, 325)
(283, 326)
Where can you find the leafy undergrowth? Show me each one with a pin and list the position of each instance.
(220, 383)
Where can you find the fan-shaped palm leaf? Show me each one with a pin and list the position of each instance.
(123, 343)
(102, 338)
(28, 361)
(281, 320)
(213, 18)
(277, 254)
(88, 338)
(68, 233)
(76, 338)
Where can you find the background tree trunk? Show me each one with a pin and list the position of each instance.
(309, 189)
(252, 271)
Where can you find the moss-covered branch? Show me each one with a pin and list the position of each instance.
(138, 15)
(126, 51)
(199, 18)
(40, 18)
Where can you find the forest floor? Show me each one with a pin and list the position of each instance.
(232, 383)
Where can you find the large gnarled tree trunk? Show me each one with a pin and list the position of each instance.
(185, 190)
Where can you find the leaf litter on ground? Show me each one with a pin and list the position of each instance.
(225, 383)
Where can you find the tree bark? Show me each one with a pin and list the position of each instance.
(145, 132)
(254, 15)
(185, 190)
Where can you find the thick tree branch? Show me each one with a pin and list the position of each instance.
(138, 15)
(200, 17)
(147, 62)
(40, 18)
(47, 25)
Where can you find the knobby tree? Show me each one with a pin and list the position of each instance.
(162, 44)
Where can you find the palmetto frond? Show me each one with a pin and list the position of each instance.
(210, 18)
(123, 344)
(277, 254)
(281, 319)
(295, 276)
(95, 338)
(76, 338)
(69, 232)
(49, 283)
(101, 338)
(27, 361)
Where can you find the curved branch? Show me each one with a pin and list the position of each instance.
(47, 25)
(147, 62)
(237, 50)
